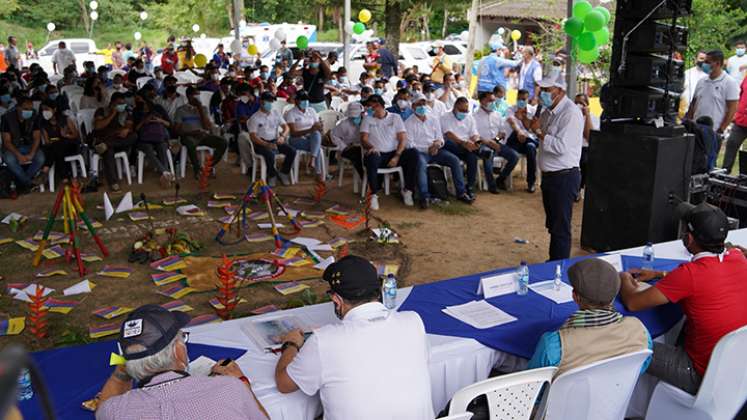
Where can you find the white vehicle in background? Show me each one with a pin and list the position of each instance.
(456, 51)
(409, 55)
(84, 49)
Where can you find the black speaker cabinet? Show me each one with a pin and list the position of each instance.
(638, 9)
(632, 171)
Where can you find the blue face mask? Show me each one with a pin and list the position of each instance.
(546, 99)
(264, 74)
(5, 98)
(121, 107)
(26, 114)
(378, 91)
(303, 105)
(521, 104)
(741, 51)
(421, 110)
(267, 106)
(370, 112)
(53, 96)
(460, 115)
(356, 120)
(706, 68)
(313, 65)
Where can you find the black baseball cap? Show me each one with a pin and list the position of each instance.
(708, 224)
(152, 327)
(302, 96)
(375, 99)
(352, 277)
(267, 96)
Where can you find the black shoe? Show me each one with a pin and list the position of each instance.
(493, 189)
(466, 198)
(531, 189)
(424, 203)
(502, 184)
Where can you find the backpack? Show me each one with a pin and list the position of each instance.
(700, 148)
(5, 179)
(437, 185)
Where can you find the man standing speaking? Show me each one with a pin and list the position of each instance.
(560, 131)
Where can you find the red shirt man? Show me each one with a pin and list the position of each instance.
(169, 60)
(738, 129)
(710, 289)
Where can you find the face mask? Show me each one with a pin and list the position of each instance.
(216, 77)
(231, 74)
(26, 114)
(47, 115)
(370, 112)
(121, 108)
(521, 104)
(356, 120)
(402, 104)
(313, 65)
(460, 115)
(5, 98)
(546, 99)
(741, 51)
(303, 105)
(706, 68)
(244, 99)
(343, 79)
(117, 86)
(421, 110)
(378, 91)
(333, 82)
(267, 106)
(53, 96)
(429, 96)
(42, 87)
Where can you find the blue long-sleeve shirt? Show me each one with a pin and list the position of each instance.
(492, 72)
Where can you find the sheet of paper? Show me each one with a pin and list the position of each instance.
(108, 207)
(479, 314)
(309, 242)
(12, 216)
(269, 225)
(126, 203)
(83, 286)
(564, 293)
(615, 260)
(325, 263)
(492, 286)
(201, 366)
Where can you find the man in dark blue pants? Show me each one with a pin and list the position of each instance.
(521, 139)
(491, 128)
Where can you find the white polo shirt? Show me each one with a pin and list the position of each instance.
(489, 124)
(346, 133)
(382, 132)
(564, 136)
(266, 126)
(301, 120)
(371, 366)
(464, 129)
(438, 109)
(711, 96)
(422, 134)
(450, 98)
(733, 66)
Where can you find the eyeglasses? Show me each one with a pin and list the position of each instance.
(185, 337)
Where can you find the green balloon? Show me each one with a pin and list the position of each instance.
(581, 8)
(602, 36)
(359, 28)
(588, 57)
(586, 41)
(594, 21)
(603, 10)
(302, 42)
(573, 27)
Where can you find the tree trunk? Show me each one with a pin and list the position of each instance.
(446, 22)
(427, 27)
(393, 20)
(320, 13)
(337, 16)
(84, 15)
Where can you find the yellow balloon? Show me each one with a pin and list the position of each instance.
(515, 35)
(252, 49)
(200, 60)
(364, 15)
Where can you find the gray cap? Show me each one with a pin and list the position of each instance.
(595, 280)
(355, 109)
(553, 80)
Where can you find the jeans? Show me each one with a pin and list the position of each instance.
(218, 143)
(443, 158)
(156, 153)
(374, 161)
(512, 158)
(311, 143)
(528, 149)
(672, 365)
(470, 158)
(353, 154)
(558, 195)
(24, 174)
(736, 138)
(269, 155)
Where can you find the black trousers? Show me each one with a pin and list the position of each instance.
(559, 191)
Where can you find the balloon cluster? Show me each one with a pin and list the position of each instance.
(587, 26)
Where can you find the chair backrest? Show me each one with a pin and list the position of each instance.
(460, 416)
(597, 391)
(279, 105)
(329, 119)
(74, 101)
(85, 119)
(509, 396)
(71, 90)
(724, 385)
(142, 81)
(205, 97)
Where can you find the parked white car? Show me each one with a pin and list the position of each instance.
(84, 49)
(456, 51)
(409, 55)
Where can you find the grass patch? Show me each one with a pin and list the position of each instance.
(409, 225)
(455, 208)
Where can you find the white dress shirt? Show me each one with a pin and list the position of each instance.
(63, 58)
(422, 134)
(301, 120)
(464, 129)
(734, 65)
(564, 136)
(450, 99)
(371, 366)
(266, 126)
(346, 134)
(382, 132)
(438, 108)
(489, 124)
(693, 75)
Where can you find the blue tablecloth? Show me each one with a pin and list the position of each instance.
(536, 314)
(75, 374)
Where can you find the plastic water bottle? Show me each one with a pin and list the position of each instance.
(389, 292)
(25, 390)
(522, 287)
(13, 191)
(558, 277)
(648, 257)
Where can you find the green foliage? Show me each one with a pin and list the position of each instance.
(7, 7)
(178, 16)
(713, 25)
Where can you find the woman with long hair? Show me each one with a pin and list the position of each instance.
(60, 139)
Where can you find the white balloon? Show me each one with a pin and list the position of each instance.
(94, 15)
(143, 15)
(349, 27)
(93, 5)
(280, 35)
(51, 26)
(501, 31)
(138, 36)
(275, 44)
(196, 27)
(203, 36)
(236, 46)
(464, 36)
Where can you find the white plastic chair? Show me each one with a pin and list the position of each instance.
(85, 120)
(202, 152)
(258, 161)
(598, 391)
(461, 416)
(341, 163)
(387, 181)
(509, 396)
(75, 162)
(142, 81)
(300, 154)
(329, 119)
(123, 165)
(722, 392)
(205, 97)
(279, 104)
(141, 164)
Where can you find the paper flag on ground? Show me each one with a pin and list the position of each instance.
(203, 319)
(108, 208)
(217, 305)
(126, 203)
(12, 326)
(258, 237)
(171, 263)
(4, 241)
(103, 330)
(177, 305)
(14, 216)
(137, 216)
(176, 292)
(290, 287)
(160, 279)
(110, 312)
(190, 210)
(269, 225)
(60, 306)
(83, 286)
(52, 272)
(115, 271)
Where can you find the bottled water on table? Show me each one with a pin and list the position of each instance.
(25, 390)
(522, 273)
(648, 256)
(558, 277)
(389, 292)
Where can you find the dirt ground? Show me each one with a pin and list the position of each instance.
(436, 244)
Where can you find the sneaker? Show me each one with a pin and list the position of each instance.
(424, 203)
(374, 202)
(101, 148)
(284, 178)
(501, 184)
(531, 189)
(273, 181)
(466, 198)
(493, 189)
(407, 198)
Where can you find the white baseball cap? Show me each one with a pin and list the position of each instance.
(355, 109)
(556, 80)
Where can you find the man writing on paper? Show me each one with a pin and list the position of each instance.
(710, 290)
(596, 331)
(372, 365)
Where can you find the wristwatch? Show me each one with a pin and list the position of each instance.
(290, 344)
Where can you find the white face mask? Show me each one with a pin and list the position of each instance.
(47, 115)
(403, 104)
(244, 99)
